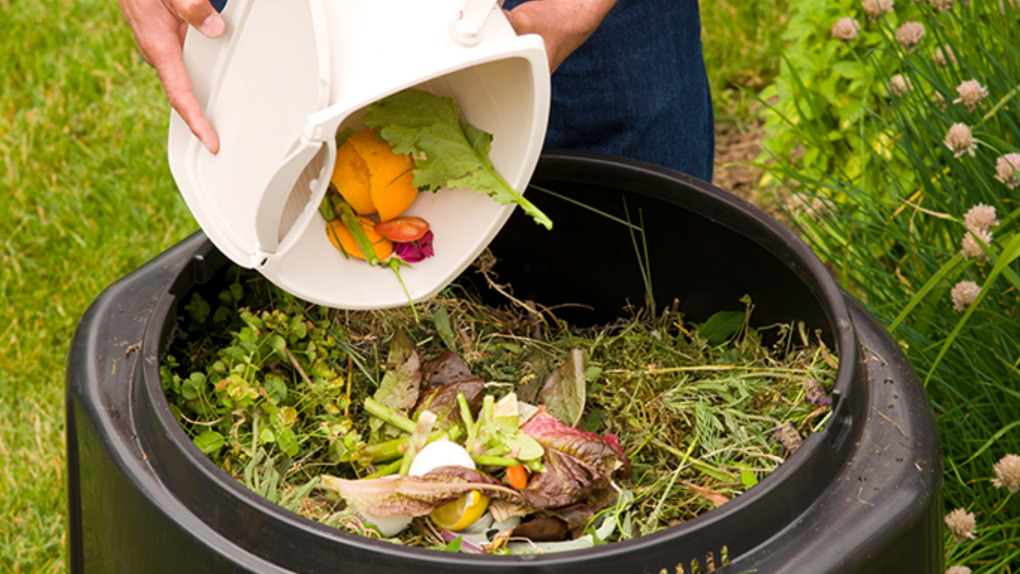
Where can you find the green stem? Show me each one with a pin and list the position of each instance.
(482, 460)
(389, 415)
(417, 440)
(395, 448)
(386, 469)
(351, 222)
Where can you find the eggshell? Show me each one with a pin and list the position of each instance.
(440, 453)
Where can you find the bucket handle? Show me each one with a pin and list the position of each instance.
(467, 27)
(274, 197)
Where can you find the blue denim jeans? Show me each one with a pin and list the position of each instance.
(638, 89)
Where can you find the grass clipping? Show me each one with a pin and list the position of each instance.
(272, 389)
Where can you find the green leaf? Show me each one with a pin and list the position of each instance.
(748, 479)
(400, 385)
(267, 435)
(529, 447)
(441, 319)
(564, 392)
(342, 136)
(453, 545)
(198, 309)
(288, 442)
(278, 343)
(848, 69)
(453, 154)
(721, 326)
(209, 441)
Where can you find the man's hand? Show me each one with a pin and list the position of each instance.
(159, 27)
(563, 24)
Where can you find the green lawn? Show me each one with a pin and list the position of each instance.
(88, 197)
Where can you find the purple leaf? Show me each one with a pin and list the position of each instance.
(788, 436)
(415, 495)
(814, 393)
(443, 401)
(566, 481)
(604, 452)
(446, 368)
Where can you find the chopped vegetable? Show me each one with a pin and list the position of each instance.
(517, 476)
(403, 229)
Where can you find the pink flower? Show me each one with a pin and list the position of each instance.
(959, 140)
(942, 5)
(1007, 473)
(415, 251)
(961, 523)
(845, 29)
(899, 85)
(944, 56)
(972, 249)
(980, 217)
(971, 92)
(909, 34)
(1006, 168)
(875, 9)
(964, 293)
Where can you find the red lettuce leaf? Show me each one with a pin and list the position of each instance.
(443, 401)
(446, 368)
(603, 452)
(566, 481)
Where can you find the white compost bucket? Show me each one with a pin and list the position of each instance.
(289, 74)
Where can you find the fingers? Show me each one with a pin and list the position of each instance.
(177, 87)
(201, 15)
(159, 28)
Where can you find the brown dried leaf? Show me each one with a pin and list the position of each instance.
(708, 494)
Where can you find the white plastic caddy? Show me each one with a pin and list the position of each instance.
(288, 74)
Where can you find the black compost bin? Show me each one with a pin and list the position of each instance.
(862, 496)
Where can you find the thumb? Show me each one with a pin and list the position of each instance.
(201, 15)
(520, 21)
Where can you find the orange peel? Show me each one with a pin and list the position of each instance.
(372, 178)
(343, 239)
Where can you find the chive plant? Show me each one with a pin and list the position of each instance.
(934, 254)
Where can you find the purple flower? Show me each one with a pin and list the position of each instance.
(415, 251)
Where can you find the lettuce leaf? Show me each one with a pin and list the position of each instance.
(453, 153)
(415, 495)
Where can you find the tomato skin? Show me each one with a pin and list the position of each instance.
(403, 229)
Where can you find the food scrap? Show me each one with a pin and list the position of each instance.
(415, 141)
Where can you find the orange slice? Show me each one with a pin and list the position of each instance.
(342, 238)
(372, 178)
